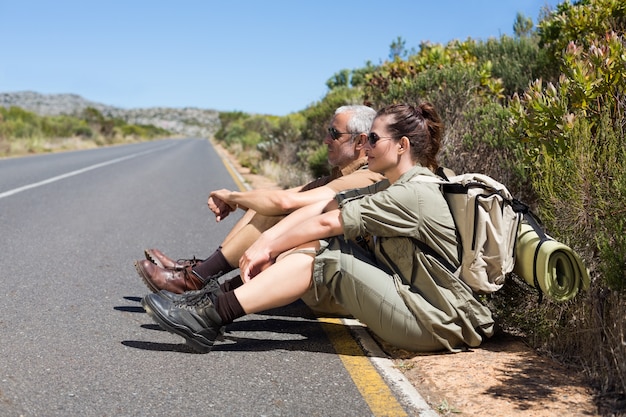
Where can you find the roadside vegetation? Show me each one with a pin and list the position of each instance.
(23, 132)
(542, 111)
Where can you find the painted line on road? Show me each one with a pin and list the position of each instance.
(79, 171)
(239, 180)
(401, 385)
(365, 376)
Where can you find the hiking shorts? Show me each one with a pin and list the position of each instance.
(367, 291)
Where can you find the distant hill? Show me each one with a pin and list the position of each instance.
(191, 122)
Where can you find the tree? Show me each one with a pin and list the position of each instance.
(523, 26)
(339, 79)
(397, 49)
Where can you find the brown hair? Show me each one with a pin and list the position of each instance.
(421, 125)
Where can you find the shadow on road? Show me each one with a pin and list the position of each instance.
(293, 327)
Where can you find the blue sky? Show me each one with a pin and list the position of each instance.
(271, 57)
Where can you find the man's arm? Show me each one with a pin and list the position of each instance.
(281, 202)
(221, 206)
(271, 202)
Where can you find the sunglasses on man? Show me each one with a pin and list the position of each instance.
(371, 137)
(335, 134)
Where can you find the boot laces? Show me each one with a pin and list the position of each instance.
(188, 262)
(190, 278)
(199, 298)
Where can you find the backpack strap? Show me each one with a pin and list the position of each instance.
(441, 172)
(543, 238)
(443, 181)
(430, 251)
(532, 219)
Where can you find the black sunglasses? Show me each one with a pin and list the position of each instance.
(373, 138)
(335, 134)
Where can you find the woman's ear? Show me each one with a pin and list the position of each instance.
(404, 143)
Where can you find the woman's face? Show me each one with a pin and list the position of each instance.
(382, 155)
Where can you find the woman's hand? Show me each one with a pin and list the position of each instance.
(220, 205)
(255, 259)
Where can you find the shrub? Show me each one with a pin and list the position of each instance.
(515, 61)
(575, 149)
(318, 162)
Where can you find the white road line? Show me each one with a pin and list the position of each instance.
(395, 379)
(79, 171)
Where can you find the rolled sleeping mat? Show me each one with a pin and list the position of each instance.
(558, 270)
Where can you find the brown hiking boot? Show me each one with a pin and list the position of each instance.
(176, 281)
(162, 261)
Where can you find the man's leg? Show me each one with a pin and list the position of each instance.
(222, 261)
(245, 219)
(200, 319)
(226, 257)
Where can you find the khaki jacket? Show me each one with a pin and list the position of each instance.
(392, 218)
(355, 175)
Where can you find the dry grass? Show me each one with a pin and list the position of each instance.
(31, 146)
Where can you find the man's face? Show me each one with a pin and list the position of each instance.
(341, 151)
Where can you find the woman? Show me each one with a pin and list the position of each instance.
(364, 247)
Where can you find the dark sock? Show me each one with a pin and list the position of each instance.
(231, 284)
(212, 267)
(228, 307)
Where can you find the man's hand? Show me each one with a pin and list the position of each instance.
(220, 205)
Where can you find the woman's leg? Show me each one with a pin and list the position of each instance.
(369, 293)
(282, 283)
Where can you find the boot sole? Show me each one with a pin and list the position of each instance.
(145, 279)
(196, 341)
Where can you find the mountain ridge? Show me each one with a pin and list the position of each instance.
(187, 121)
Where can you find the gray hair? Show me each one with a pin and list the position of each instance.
(361, 119)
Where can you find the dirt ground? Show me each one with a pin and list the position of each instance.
(502, 378)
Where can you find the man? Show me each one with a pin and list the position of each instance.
(345, 140)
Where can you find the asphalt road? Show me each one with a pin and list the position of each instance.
(74, 339)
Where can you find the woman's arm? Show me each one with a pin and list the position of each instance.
(288, 234)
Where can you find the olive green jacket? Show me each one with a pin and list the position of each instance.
(392, 219)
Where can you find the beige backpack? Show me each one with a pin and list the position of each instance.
(488, 221)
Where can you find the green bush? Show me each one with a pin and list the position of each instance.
(292, 141)
(64, 127)
(575, 151)
(583, 22)
(516, 61)
(142, 131)
(226, 119)
(318, 162)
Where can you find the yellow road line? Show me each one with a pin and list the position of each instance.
(234, 174)
(370, 384)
